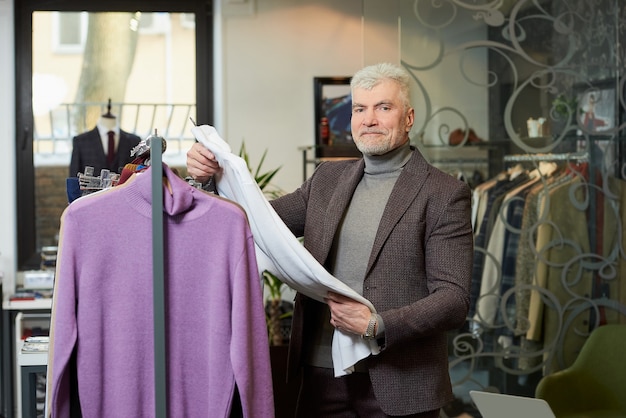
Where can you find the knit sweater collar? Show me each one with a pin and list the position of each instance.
(392, 161)
(178, 196)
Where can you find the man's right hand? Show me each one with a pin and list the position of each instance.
(201, 163)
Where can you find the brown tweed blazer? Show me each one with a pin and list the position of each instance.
(418, 273)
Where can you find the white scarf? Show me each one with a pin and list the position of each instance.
(279, 251)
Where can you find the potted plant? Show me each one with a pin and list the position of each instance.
(278, 311)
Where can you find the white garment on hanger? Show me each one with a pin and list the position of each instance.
(279, 251)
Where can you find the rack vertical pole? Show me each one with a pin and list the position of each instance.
(160, 359)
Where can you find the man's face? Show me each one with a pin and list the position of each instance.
(380, 122)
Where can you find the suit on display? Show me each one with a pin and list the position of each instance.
(90, 148)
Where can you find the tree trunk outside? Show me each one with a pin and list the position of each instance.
(107, 62)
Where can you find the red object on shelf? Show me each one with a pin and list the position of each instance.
(21, 298)
(324, 131)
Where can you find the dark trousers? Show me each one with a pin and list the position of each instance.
(352, 396)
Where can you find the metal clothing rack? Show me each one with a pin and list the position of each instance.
(160, 358)
(568, 156)
(459, 161)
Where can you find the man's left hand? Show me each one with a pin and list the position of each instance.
(347, 314)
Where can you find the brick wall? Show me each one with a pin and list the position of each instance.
(51, 201)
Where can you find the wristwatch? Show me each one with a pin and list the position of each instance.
(370, 332)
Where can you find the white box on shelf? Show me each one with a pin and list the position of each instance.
(38, 279)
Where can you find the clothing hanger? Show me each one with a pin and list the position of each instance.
(544, 169)
(515, 171)
(108, 119)
(142, 154)
(108, 113)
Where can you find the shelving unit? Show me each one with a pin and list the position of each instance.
(312, 155)
(487, 155)
(29, 364)
(16, 316)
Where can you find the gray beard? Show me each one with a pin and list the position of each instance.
(377, 148)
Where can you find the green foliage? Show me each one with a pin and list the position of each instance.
(273, 314)
(262, 179)
(273, 285)
(565, 106)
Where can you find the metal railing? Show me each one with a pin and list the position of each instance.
(53, 131)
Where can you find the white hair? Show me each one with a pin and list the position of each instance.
(368, 77)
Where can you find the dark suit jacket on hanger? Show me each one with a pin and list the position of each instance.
(88, 151)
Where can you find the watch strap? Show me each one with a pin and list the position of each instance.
(370, 332)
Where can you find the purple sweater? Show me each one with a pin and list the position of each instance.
(103, 306)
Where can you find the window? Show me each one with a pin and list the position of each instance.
(154, 23)
(68, 36)
(69, 31)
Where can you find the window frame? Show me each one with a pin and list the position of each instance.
(27, 254)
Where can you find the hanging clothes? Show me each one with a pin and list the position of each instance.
(498, 275)
(493, 196)
(102, 330)
(491, 282)
(552, 261)
(562, 242)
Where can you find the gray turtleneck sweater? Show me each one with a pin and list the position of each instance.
(354, 239)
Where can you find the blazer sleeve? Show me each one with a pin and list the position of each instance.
(446, 272)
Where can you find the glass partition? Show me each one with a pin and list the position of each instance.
(524, 101)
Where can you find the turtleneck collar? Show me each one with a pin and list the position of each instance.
(392, 161)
